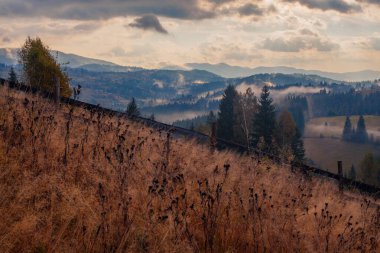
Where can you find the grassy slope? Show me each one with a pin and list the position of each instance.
(78, 181)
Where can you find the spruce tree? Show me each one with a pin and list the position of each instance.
(361, 131)
(347, 130)
(352, 174)
(226, 117)
(12, 79)
(264, 122)
(298, 148)
(132, 109)
(211, 118)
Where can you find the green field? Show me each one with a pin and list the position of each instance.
(324, 146)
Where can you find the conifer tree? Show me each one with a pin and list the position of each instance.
(361, 131)
(211, 118)
(226, 117)
(12, 79)
(132, 109)
(298, 147)
(347, 130)
(264, 122)
(352, 174)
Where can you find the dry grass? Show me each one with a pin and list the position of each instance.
(73, 180)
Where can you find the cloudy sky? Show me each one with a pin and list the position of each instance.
(330, 35)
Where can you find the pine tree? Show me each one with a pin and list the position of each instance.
(12, 80)
(132, 109)
(298, 148)
(211, 118)
(361, 135)
(264, 122)
(352, 174)
(226, 117)
(347, 130)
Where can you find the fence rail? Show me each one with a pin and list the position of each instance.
(220, 143)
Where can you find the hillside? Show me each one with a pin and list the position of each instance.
(84, 181)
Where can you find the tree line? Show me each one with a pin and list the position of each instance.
(257, 124)
(324, 104)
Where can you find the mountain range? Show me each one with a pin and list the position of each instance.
(175, 92)
(229, 71)
(9, 57)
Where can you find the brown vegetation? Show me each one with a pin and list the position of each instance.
(73, 180)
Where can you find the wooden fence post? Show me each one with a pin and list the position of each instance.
(213, 137)
(340, 175)
(57, 91)
(167, 148)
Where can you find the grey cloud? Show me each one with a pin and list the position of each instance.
(308, 32)
(117, 51)
(370, 1)
(100, 9)
(298, 43)
(250, 9)
(6, 39)
(325, 5)
(87, 27)
(220, 2)
(149, 22)
(375, 43)
(282, 45)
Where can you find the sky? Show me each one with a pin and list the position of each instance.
(335, 35)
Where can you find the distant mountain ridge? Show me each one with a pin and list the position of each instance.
(9, 56)
(176, 94)
(229, 71)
